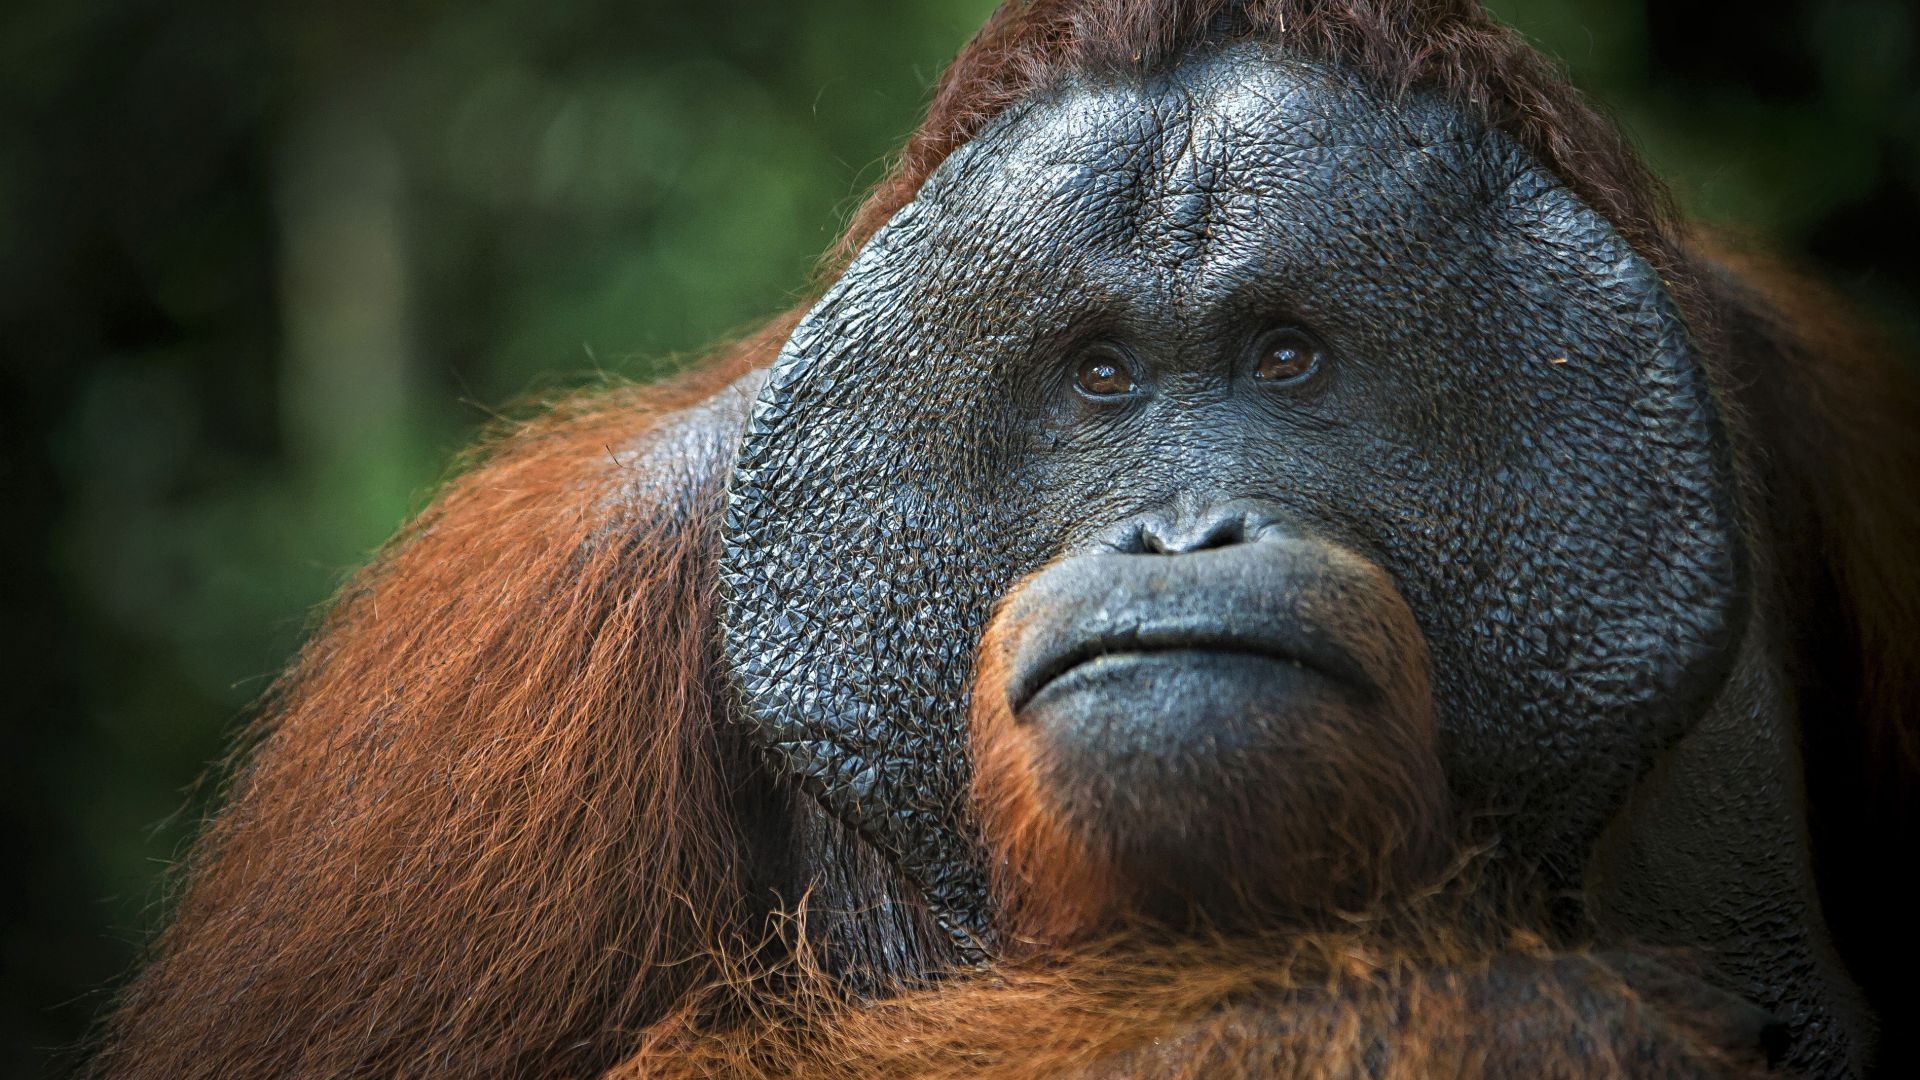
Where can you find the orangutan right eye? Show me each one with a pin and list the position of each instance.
(1105, 375)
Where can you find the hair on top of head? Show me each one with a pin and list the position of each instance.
(1452, 48)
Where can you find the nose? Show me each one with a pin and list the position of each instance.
(1220, 525)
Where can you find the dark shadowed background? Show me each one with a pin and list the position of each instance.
(263, 272)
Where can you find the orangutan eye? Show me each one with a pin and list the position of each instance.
(1104, 375)
(1287, 356)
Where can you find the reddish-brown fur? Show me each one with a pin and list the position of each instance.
(1841, 416)
(480, 830)
(1391, 999)
(1051, 885)
(484, 826)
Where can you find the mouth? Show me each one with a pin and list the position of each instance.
(1039, 669)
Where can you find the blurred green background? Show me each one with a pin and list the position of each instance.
(262, 271)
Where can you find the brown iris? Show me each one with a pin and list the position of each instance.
(1104, 375)
(1286, 356)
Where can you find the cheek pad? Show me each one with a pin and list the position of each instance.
(854, 580)
(1576, 592)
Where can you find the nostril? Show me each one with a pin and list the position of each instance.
(1160, 537)
(1221, 532)
(1155, 534)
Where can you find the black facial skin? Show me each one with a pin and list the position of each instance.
(1082, 342)
(1508, 422)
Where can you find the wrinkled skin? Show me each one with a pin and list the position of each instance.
(1506, 436)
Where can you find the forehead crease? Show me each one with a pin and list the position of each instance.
(1303, 145)
(1172, 165)
(1165, 155)
(1194, 185)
